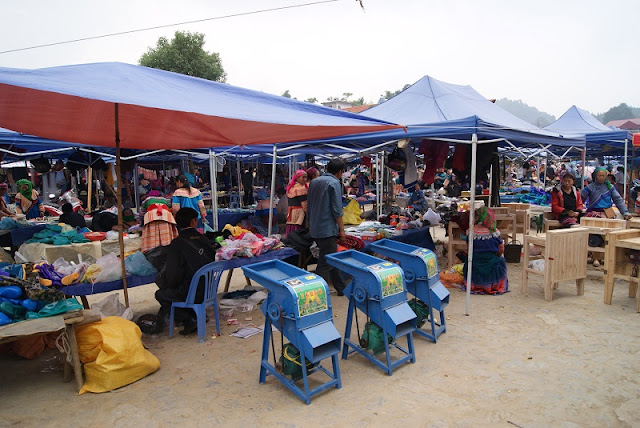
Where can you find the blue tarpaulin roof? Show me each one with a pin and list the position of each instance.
(456, 111)
(599, 137)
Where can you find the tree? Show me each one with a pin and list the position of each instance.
(346, 96)
(622, 111)
(286, 94)
(312, 100)
(388, 95)
(185, 54)
(358, 102)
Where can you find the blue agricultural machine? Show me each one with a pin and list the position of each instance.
(298, 305)
(378, 290)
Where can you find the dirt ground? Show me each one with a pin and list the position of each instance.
(515, 361)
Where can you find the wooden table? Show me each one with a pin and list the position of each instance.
(36, 327)
(601, 226)
(617, 264)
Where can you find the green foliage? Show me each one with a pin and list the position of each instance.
(286, 94)
(185, 54)
(346, 96)
(388, 95)
(358, 102)
(621, 111)
(312, 100)
(526, 112)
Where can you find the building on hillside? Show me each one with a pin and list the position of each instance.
(338, 104)
(631, 124)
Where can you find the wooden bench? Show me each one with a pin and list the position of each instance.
(601, 226)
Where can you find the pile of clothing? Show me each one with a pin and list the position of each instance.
(58, 234)
(23, 295)
(243, 243)
(8, 223)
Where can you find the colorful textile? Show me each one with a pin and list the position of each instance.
(26, 193)
(158, 212)
(28, 205)
(297, 197)
(489, 272)
(183, 198)
(598, 196)
(157, 233)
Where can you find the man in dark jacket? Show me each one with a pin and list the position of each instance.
(71, 218)
(185, 255)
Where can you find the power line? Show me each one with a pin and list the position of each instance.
(168, 25)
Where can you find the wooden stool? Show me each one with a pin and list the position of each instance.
(565, 257)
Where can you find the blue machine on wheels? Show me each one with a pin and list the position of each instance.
(423, 281)
(298, 305)
(377, 289)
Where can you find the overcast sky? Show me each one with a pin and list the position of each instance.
(549, 53)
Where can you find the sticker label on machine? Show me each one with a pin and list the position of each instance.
(429, 259)
(312, 296)
(390, 277)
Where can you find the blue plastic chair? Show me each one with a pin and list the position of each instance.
(212, 273)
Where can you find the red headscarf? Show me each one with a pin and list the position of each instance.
(299, 173)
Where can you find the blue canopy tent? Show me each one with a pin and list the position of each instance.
(459, 114)
(601, 140)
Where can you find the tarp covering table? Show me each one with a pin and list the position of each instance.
(418, 237)
(16, 237)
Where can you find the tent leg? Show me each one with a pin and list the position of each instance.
(273, 187)
(119, 198)
(472, 212)
(626, 153)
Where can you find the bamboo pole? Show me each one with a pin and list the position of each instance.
(119, 197)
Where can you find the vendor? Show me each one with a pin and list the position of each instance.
(489, 270)
(28, 200)
(566, 202)
(600, 195)
(4, 210)
(129, 219)
(186, 254)
(417, 199)
(71, 218)
(297, 201)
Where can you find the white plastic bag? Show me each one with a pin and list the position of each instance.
(537, 265)
(111, 306)
(111, 268)
(432, 217)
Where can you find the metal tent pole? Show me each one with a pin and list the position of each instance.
(626, 153)
(584, 166)
(214, 188)
(472, 212)
(136, 183)
(490, 185)
(119, 199)
(273, 188)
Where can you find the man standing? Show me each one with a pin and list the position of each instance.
(247, 184)
(324, 208)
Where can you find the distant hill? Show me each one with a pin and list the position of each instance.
(526, 112)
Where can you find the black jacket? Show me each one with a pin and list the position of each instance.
(185, 255)
(73, 219)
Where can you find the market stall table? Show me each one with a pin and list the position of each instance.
(15, 237)
(35, 252)
(36, 327)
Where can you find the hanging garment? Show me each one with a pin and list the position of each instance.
(410, 175)
(435, 153)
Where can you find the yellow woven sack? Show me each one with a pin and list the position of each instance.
(113, 354)
(351, 213)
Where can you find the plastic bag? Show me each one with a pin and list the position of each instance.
(137, 264)
(113, 354)
(56, 308)
(111, 268)
(351, 214)
(109, 306)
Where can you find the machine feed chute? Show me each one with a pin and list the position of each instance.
(423, 282)
(298, 305)
(378, 290)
